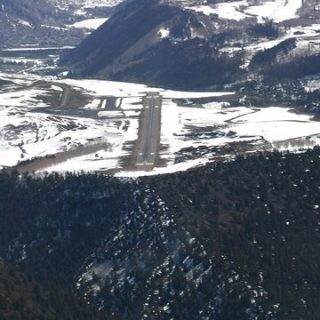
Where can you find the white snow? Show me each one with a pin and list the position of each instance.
(170, 94)
(23, 98)
(37, 48)
(90, 24)
(131, 103)
(228, 10)
(274, 125)
(264, 45)
(100, 160)
(207, 10)
(103, 104)
(131, 113)
(108, 88)
(312, 85)
(110, 114)
(172, 168)
(25, 23)
(26, 135)
(100, 142)
(56, 88)
(278, 11)
(93, 105)
(274, 114)
(164, 33)
(96, 3)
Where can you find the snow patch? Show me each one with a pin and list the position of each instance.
(90, 24)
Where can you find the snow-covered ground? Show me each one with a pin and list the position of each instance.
(84, 4)
(228, 10)
(307, 42)
(109, 88)
(87, 143)
(24, 97)
(278, 10)
(90, 24)
(95, 137)
(25, 136)
(219, 125)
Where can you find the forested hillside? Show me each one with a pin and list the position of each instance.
(236, 240)
(23, 298)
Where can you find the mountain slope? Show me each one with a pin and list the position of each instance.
(192, 44)
(21, 16)
(26, 13)
(30, 22)
(236, 240)
(23, 298)
(48, 22)
(156, 42)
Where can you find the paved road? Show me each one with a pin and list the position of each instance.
(150, 132)
(65, 97)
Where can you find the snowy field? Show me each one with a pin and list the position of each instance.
(98, 128)
(85, 4)
(79, 142)
(198, 135)
(283, 12)
(90, 24)
(278, 10)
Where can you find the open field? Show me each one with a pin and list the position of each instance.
(91, 125)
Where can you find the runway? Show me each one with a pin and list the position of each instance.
(148, 144)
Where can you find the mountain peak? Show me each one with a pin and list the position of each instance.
(186, 43)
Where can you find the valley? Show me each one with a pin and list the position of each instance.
(132, 129)
(159, 160)
(51, 23)
(52, 123)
